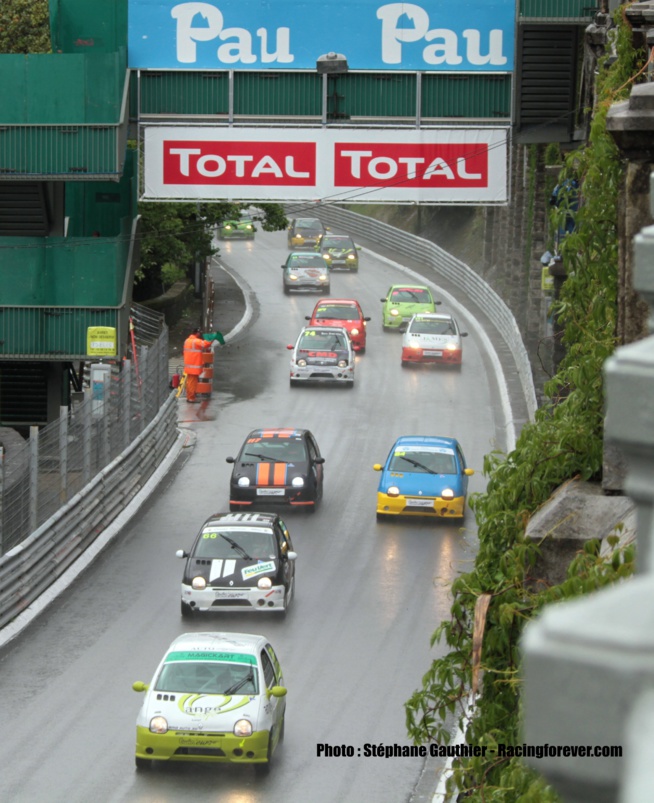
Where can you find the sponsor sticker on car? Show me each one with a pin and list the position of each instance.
(270, 492)
(260, 568)
(420, 502)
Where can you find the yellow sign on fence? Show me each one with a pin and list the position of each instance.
(101, 341)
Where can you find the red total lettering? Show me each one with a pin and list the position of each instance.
(289, 164)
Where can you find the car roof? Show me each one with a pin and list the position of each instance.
(329, 330)
(249, 519)
(330, 302)
(338, 236)
(411, 286)
(248, 643)
(433, 316)
(426, 440)
(278, 432)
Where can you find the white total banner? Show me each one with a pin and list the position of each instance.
(372, 165)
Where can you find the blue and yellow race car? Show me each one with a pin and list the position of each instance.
(423, 476)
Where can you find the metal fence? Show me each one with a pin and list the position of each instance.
(58, 460)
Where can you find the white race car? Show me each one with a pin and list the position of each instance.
(323, 354)
(431, 337)
(214, 697)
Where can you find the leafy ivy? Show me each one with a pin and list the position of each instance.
(565, 441)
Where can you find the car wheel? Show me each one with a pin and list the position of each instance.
(143, 763)
(327, 291)
(234, 508)
(405, 363)
(381, 516)
(349, 385)
(286, 290)
(187, 611)
(262, 770)
(281, 730)
(294, 383)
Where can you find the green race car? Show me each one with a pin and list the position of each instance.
(402, 302)
(242, 229)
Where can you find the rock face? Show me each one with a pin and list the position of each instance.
(576, 513)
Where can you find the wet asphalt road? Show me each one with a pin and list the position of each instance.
(356, 642)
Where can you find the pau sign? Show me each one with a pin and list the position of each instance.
(439, 35)
(431, 166)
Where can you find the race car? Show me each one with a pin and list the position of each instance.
(239, 562)
(342, 312)
(402, 302)
(339, 251)
(305, 232)
(242, 229)
(322, 354)
(305, 272)
(432, 338)
(276, 467)
(423, 476)
(215, 697)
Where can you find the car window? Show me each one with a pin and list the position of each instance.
(335, 312)
(278, 450)
(336, 242)
(284, 537)
(217, 543)
(306, 261)
(276, 664)
(415, 295)
(419, 461)
(308, 223)
(314, 451)
(207, 677)
(426, 326)
(313, 340)
(268, 670)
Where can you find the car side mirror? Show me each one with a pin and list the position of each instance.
(307, 317)
(463, 334)
(469, 472)
(319, 461)
(366, 319)
(181, 553)
(436, 303)
(383, 300)
(377, 467)
(229, 460)
(291, 555)
(277, 691)
(283, 266)
(139, 685)
(290, 346)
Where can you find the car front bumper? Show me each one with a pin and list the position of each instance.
(303, 242)
(307, 287)
(251, 496)
(179, 745)
(322, 373)
(443, 356)
(247, 598)
(396, 321)
(431, 506)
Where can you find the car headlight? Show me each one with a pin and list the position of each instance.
(342, 363)
(393, 491)
(414, 344)
(394, 312)
(198, 583)
(327, 257)
(293, 277)
(355, 331)
(323, 277)
(451, 347)
(158, 725)
(243, 728)
(264, 583)
(243, 482)
(248, 227)
(297, 482)
(228, 228)
(447, 493)
(351, 256)
(301, 363)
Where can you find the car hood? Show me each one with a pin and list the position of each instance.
(228, 572)
(412, 484)
(433, 341)
(201, 712)
(268, 473)
(337, 322)
(338, 252)
(409, 307)
(308, 273)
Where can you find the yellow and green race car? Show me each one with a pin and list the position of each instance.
(242, 229)
(215, 697)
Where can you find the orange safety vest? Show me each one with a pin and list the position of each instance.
(193, 348)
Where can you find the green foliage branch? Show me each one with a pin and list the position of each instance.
(24, 26)
(564, 442)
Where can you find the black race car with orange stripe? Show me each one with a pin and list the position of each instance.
(277, 467)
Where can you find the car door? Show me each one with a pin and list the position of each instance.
(315, 468)
(273, 706)
(462, 466)
(284, 546)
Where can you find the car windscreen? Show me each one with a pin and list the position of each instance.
(336, 242)
(274, 450)
(424, 326)
(308, 223)
(322, 341)
(422, 461)
(236, 543)
(306, 261)
(335, 312)
(206, 676)
(413, 295)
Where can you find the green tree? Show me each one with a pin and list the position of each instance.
(24, 26)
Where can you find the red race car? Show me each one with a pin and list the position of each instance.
(345, 313)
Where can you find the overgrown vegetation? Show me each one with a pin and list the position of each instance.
(24, 26)
(564, 442)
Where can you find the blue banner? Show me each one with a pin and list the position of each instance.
(434, 35)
